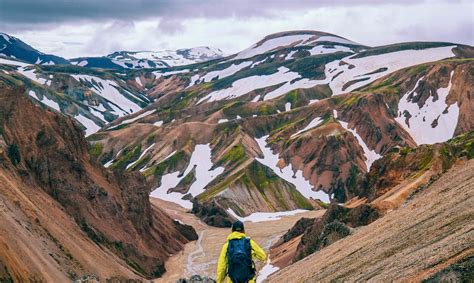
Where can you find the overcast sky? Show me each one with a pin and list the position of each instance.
(73, 28)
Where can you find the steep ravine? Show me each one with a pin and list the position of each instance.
(63, 214)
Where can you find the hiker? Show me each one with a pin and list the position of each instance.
(236, 258)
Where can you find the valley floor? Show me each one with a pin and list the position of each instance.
(429, 232)
(200, 257)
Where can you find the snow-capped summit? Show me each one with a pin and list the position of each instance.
(295, 39)
(15, 48)
(151, 59)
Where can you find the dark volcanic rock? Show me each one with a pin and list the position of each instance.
(212, 214)
(462, 271)
(296, 230)
(333, 226)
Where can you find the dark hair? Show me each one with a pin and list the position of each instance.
(238, 226)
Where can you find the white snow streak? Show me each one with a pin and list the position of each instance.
(108, 90)
(90, 126)
(392, 61)
(296, 178)
(271, 44)
(48, 102)
(421, 119)
(370, 155)
(265, 216)
(220, 74)
(202, 159)
(314, 123)
(144, 114)
(141, 156)
(248, 84)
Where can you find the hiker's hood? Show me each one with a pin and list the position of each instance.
(235, 235)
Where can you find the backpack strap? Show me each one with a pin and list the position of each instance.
(248, 245)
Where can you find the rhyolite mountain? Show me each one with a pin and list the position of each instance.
(300, 119)
(13, 47)
(296, 119)
(150, 59)
(63, 214)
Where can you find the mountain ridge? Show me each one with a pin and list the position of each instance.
(295, 121)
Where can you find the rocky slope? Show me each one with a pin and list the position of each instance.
(63, 214)
(313, 110)
(298, 118)
(429, 236)
(397, 177)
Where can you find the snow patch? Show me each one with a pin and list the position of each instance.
(48, 102)
(248, 84)
(220, 74)
(420, 123)
(202, 159)
(144, 114)
(266, 271)
(296, 178)
(265, 216)
(90, 126)
(320, 49)
(391, 61)
(139, 82)
(272, 44)
(109, 90)
(370, 155)
(141, 156)
(314, 123)
(335, 39)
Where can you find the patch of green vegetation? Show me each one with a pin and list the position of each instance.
(418, 69)
(140, 163)
(169, 164)
(213, 191)
(386, 86)
(405, 150)
(188, 180)
(135, 266)
(312, 67)
(95, 236)
(446, 157)
(351, 100)
(265, 110)
(233, 156)
(260, 70)
(150, 139)
(292, 97)
(300, 200)
(426, 161)
(95, 149)
(264, 179)
(129, 154)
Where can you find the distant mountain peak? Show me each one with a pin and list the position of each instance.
(289, 39)
(151, 59)
(13, 47)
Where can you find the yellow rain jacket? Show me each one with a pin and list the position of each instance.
(257, 253)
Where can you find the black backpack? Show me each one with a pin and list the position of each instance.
(240, 266)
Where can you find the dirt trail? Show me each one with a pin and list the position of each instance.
(201, 256)
(410, 243)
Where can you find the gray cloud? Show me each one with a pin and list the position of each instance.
(25, 13)
(98, 27)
